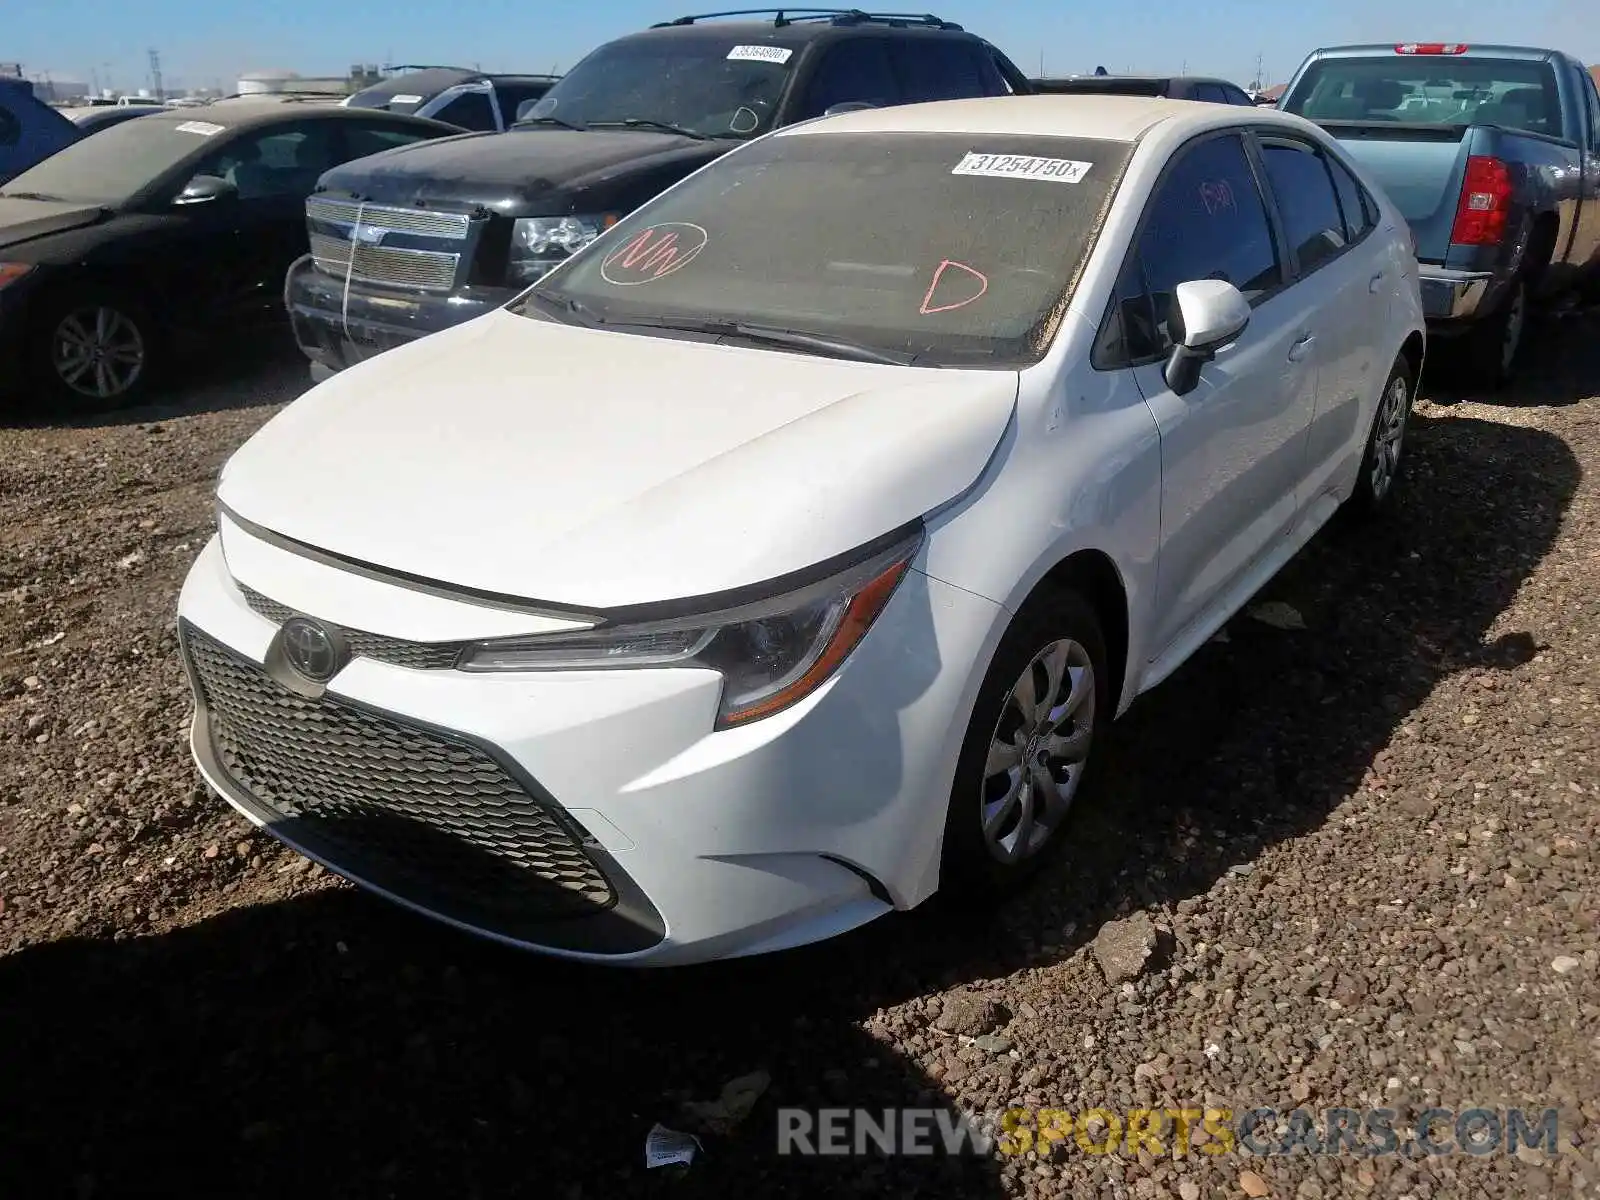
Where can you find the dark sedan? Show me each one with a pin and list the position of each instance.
(124, 249)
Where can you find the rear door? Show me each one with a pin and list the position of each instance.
(1328, 225)
(1586, 242)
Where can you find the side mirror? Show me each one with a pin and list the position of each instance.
(1206, 315)
(203, 189)
(847, 107)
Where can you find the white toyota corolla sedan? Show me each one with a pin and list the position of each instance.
(781, 557)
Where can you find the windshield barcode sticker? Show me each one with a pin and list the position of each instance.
(1022, 166)
(203, 128)
(773, 54)
(406, 98)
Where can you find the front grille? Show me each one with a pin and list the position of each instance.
(382, 216)
(432, 820)
(397, 652)
(429, 270)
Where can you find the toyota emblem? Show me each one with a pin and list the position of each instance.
(311, 649)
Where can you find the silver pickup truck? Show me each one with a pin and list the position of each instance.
(1493, 155)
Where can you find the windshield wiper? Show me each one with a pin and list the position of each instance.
(774, 335)
(31, 196)
(573, 312)
(572, 125)
(645, 123)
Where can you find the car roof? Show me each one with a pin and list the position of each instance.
(239, 112)
(797, 28)
(1091, 115)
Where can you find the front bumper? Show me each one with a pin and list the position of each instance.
(336, 331)
(590, 815)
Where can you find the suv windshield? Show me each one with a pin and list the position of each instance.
(115, 163)
(714, 87)
(1429, 89)
(952, 250)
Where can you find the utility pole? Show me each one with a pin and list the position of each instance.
(155, 75)
(1260, 82)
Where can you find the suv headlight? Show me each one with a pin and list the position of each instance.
(771, 653)
(541, 243)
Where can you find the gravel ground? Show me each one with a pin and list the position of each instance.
(1363, 851)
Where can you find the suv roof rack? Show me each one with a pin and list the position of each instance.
(834, 16)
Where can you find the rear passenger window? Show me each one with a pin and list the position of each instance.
(851, 71)
(1307, 200)
(938, 68)
(1353, 203)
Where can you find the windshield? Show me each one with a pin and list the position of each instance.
(955, 250)
(116, 162)
(714, 87)
(1430, 89)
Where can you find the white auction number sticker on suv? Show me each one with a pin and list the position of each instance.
(1022, 166)
(772, 54)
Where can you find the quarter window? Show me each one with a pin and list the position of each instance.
(1353, 202)
(1307, 199)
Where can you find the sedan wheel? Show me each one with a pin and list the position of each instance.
(1388, 436)
(99, 353)
(1031, 747)
(1038, 752)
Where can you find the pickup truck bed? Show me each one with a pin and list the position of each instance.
(1493, 155)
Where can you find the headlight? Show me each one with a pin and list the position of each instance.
(771, 653)
(541, 243)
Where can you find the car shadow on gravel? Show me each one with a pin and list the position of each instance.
(1560, 365)
(248, 370)
(330, 1045)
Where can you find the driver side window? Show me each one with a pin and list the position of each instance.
(853, 70)
(1206, 220)
(281, 161)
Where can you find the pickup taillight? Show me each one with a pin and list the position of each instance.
(1485, 203)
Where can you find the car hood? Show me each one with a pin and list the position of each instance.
(534, 166)
(24, 220)
(600, 469)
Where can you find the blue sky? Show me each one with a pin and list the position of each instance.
(208, 42)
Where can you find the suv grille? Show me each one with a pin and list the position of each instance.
(333, 227)
(397, 652)
(434, 821)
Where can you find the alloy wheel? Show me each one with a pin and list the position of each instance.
(1038, 752)
(98, 352)
(1388, 436)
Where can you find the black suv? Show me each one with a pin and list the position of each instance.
(411, 241)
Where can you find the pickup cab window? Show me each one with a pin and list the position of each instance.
(1430, 89)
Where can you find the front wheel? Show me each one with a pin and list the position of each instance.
(1029, 749)
(95, 350)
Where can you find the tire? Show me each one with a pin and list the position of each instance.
(1492, 349)
(974, 865)
(1383, 461)
(94, 349)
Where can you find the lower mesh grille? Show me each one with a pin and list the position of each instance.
(434, 821)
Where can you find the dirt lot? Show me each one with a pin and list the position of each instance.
(1369, 847)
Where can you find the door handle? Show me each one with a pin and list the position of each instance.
(1375, 282)
(1301, 348)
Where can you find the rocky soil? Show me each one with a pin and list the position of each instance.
(1347, 857)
